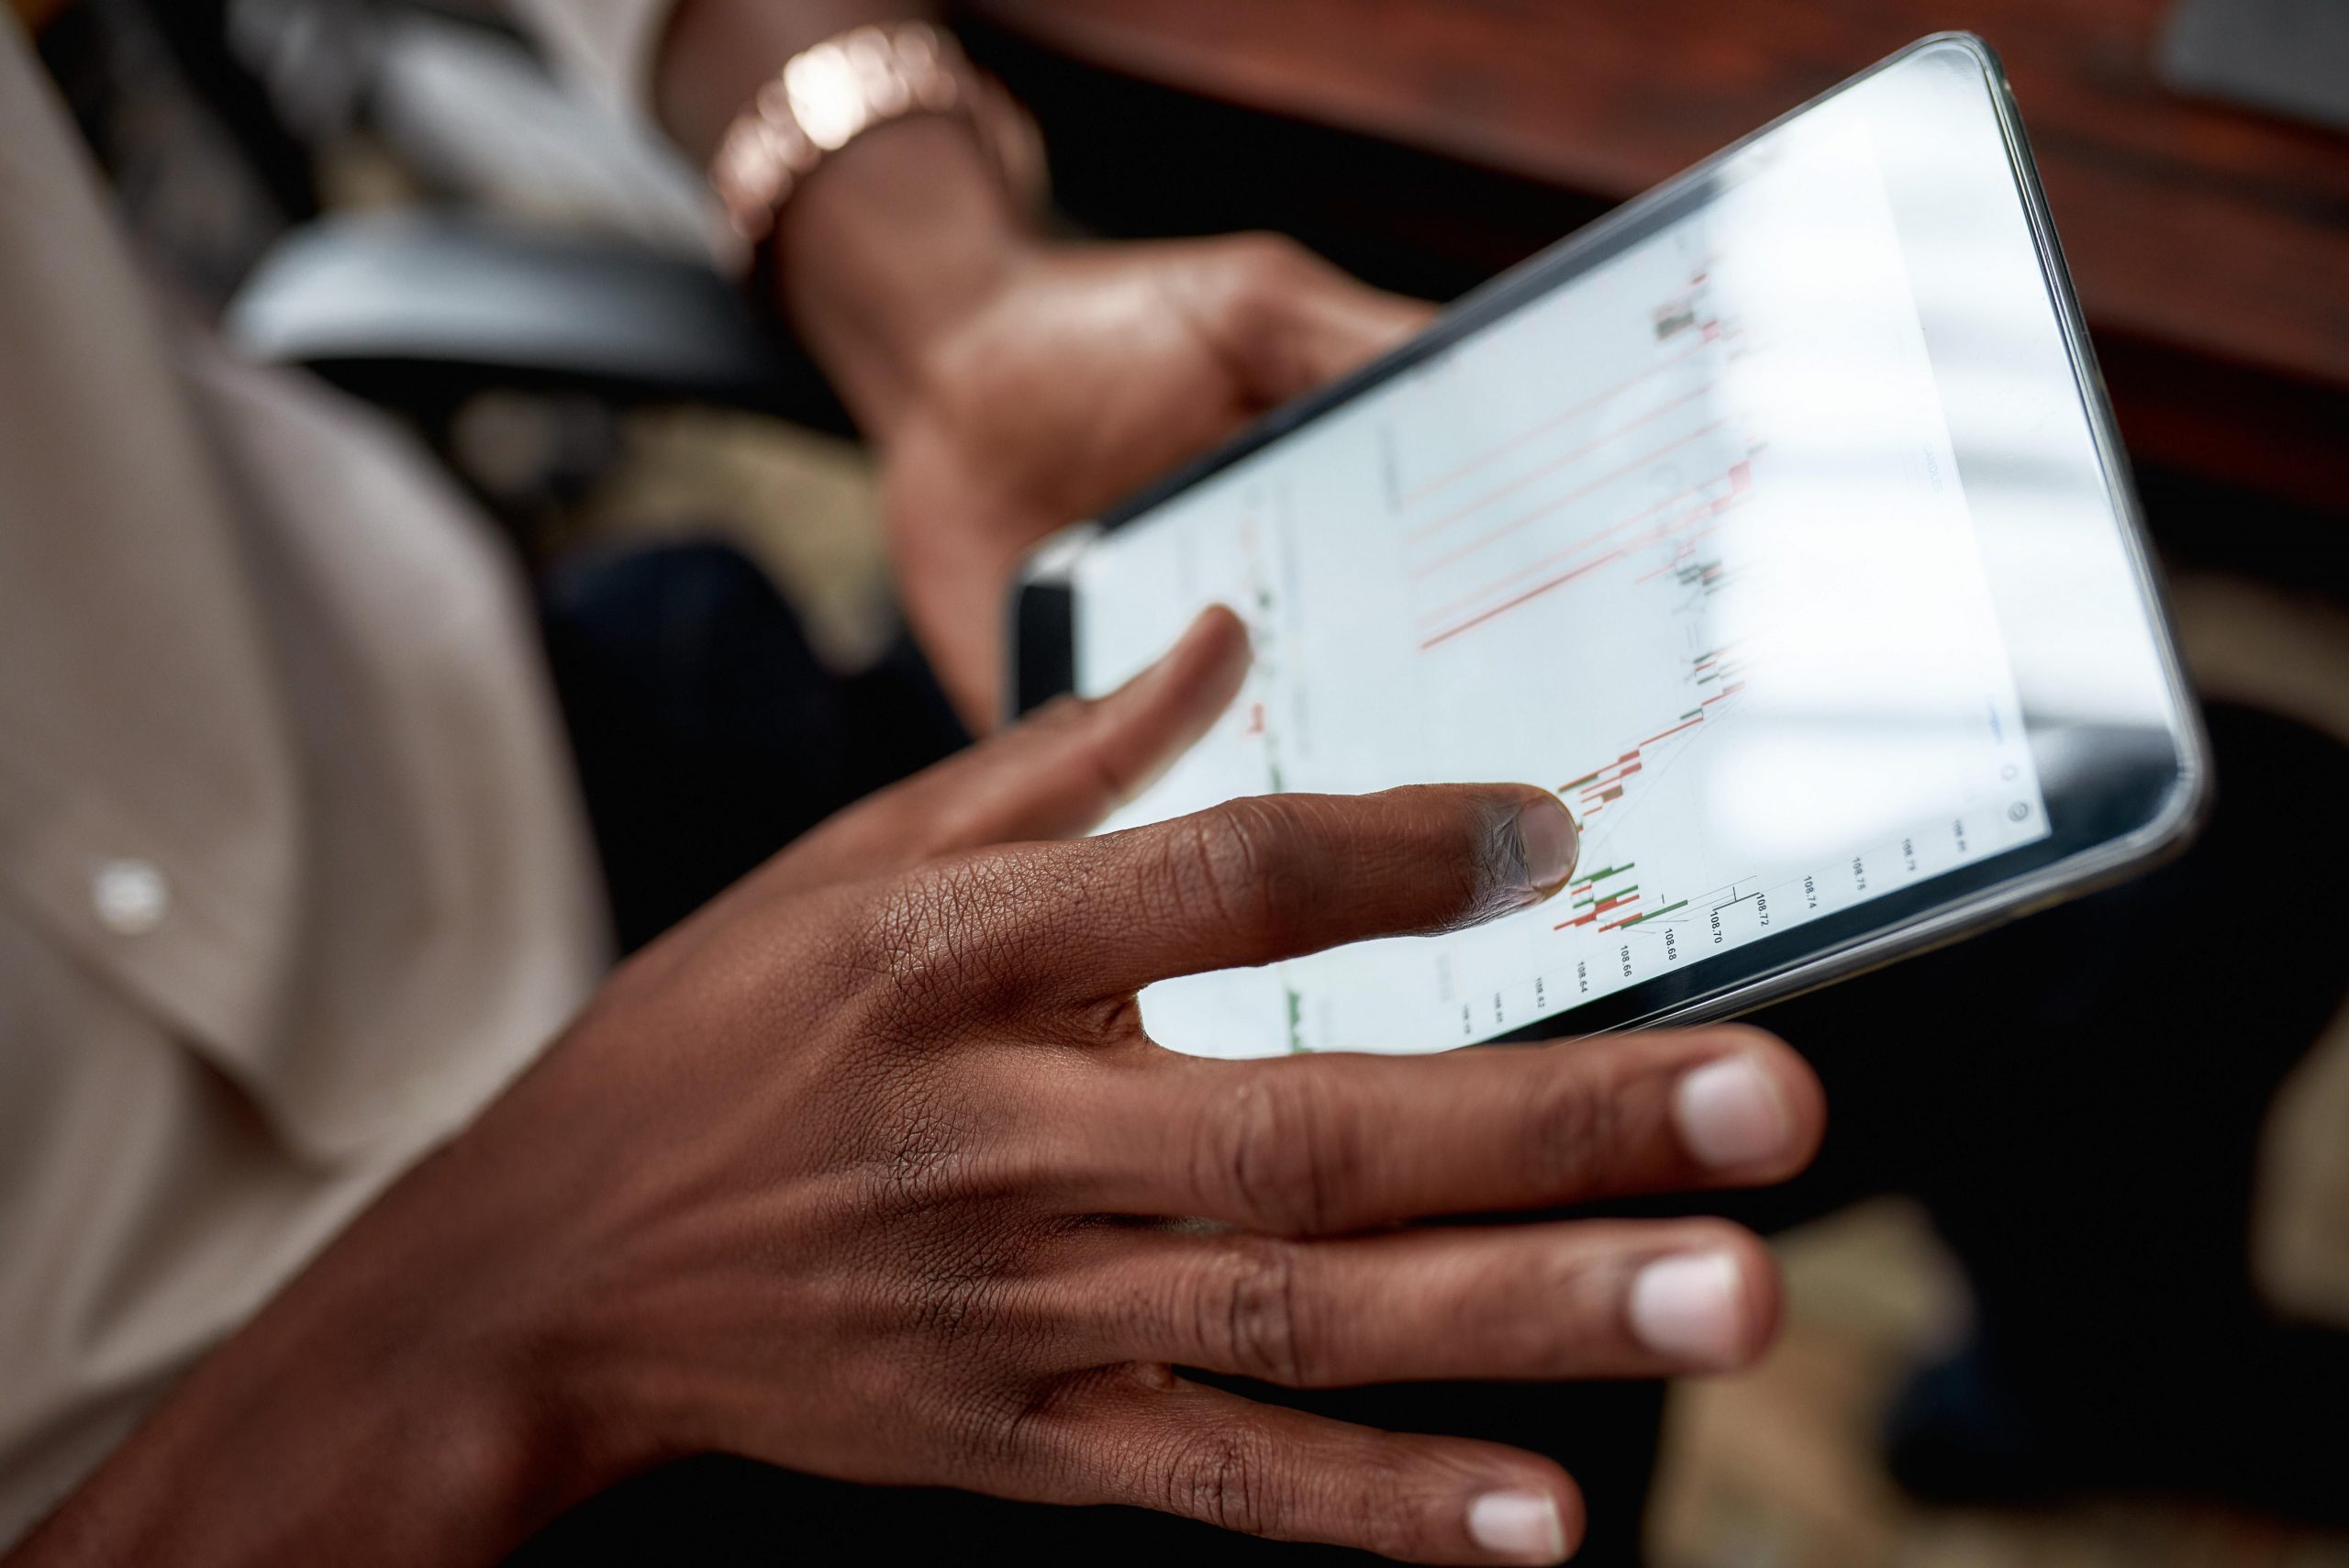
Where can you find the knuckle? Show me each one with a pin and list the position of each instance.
(924, 1160)
(903, 931)
(944, 939)
(1472, 866)
(1222, 1475)
(1251, 1316)
(1579, 1329)
(1235, 869)
(953, 1302)
(1264, 258)
(1024, 1425)
(1091, 754)
(1574, 1130)
(1048, 732)
(854, 975)
(1264, 276)
(1396, 1506)
(1277, 1150)
(961, 1292)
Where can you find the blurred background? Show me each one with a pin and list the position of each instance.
(402, 197)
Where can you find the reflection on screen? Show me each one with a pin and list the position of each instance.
(1683, 540)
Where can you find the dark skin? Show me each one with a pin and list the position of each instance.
(870, 1169)
(1009, 385)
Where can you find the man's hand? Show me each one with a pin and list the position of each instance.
(869, 1169)
(1082, 374)
(1011, 385)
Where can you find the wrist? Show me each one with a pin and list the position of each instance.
(887, 242)
(901, 236)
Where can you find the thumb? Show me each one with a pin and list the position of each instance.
(1052, 775)
(1286, 321)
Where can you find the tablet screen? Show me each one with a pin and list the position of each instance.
(1683, 537)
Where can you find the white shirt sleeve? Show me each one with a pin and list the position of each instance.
(607, 44)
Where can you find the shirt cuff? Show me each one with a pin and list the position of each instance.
(609, 45)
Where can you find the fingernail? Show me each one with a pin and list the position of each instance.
(1523, 1527)
(1551, 843)
(1731, 1114)
(1687, 1308)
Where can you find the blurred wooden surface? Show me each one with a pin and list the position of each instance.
(2210, 244)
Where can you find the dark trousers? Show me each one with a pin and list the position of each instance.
(2076, 1098)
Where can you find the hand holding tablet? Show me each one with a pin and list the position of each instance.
(1775, 522)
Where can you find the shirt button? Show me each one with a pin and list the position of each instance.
(131, 896)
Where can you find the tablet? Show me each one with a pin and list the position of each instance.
(1775, 521)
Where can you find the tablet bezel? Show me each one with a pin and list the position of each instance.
(2144, 800)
